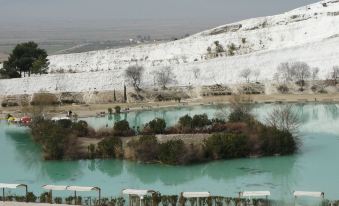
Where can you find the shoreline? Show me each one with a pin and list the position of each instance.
(90, 110)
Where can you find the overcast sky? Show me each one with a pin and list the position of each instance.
(132, 16)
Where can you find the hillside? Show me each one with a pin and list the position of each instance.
(305, 34)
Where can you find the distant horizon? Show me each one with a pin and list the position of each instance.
(102, 20)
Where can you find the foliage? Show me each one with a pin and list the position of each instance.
(226, 146)
(31, 197)
(80, 128)
(240, 109)
(25, 58)
(156, 126)
(121, 128)
(146, 148)
(110, 111)
(185, 122)
(110, 147)
(172, 151)
(117, 109)
(274, 141)
(200, 120)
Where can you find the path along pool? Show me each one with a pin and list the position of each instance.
(314, 168)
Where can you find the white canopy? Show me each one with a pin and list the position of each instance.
(139, 193)
(308, 194)
(11, 186)
(82, 189)
(55, 187)
(255, 193)
(70, 188)
(195, 194)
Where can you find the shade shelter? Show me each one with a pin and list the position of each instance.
(297, 194)
(137, 193)
(250, 194)
(75, 189)
(196, 195)
(4, 186)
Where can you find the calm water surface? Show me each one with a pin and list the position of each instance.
(314, 168)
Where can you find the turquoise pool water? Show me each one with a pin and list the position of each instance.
(314, 168)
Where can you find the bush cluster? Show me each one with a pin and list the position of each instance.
(149, 149)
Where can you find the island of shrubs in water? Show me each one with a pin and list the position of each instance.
(240, 136)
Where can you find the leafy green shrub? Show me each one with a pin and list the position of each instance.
(81, 128)
(20, 198)
(117, 109)
(121, 128)
(172, 152)
(110, 111)
(109, 147)
(185, 122)
(146, 148)
(156, 126)
(239, 115)
(31, 197)
(226, 146)
(58, 200)
(274, 141)
(45, 197)
(200, 120)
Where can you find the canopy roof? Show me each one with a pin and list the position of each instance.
(11, 186)
(82, 189)
(70, 188)
(136, 192)
(308, 194)
(196, 194)
(255, 193)
(54, 187)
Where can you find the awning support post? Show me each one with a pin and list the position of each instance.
(26, 187)
(75, 197)
(99, 196)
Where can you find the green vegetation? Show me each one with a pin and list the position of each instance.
(121, 128)
(109, 147)
(117, 109)
(25, 58)
(227, 145)
(242, 135)
(156, 126)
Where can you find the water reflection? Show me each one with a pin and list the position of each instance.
(110, 167)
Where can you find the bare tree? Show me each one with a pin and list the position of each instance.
(302, 73)
(245, 73)
(335, 74)
(285, 72)
(256, 73)
(164, 77)
(315, 72)
(134, 75)
(196, 72)
(284, 118)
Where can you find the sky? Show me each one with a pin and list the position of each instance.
(114, 19)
